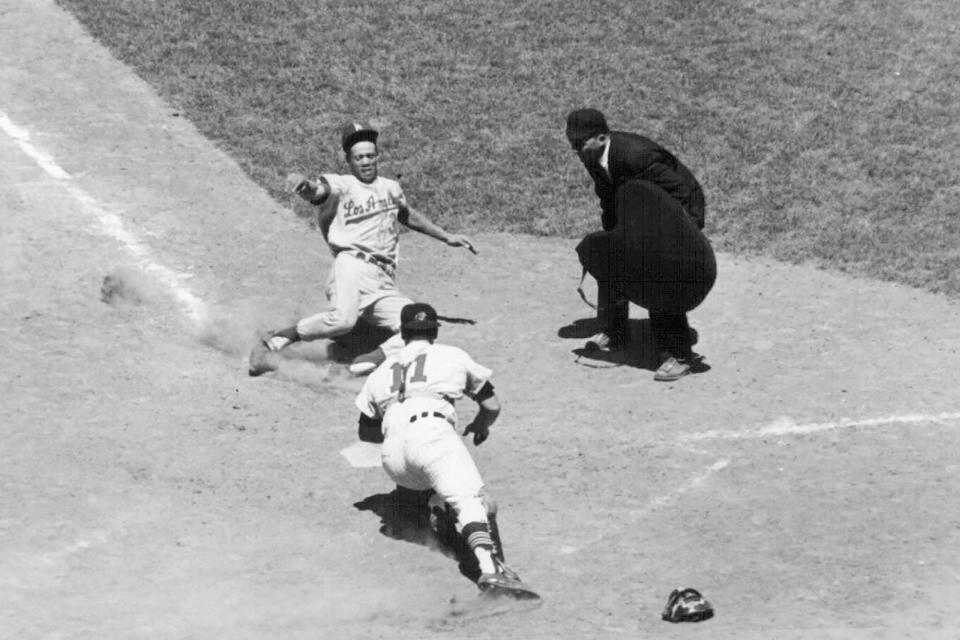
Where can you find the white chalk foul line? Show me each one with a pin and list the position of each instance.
(110, 224)
(658, 502)
(786, 427)
(95, 538)
(782, 427)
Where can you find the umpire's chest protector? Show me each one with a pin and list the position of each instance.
(656, 253)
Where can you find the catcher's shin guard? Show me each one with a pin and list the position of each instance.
(495, 536)
(490, 505)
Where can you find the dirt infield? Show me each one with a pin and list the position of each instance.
(806, 483)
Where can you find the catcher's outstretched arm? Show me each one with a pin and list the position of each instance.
(488, 414)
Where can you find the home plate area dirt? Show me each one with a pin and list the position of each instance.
(805, 482)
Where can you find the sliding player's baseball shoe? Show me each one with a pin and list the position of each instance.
(263, 360)
(364, 364)
(498, 584)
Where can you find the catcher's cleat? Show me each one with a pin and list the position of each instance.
(504, 570)
(498, 584)
(263, 360)
(365, 363)
(671, 370)
(686, 605)
(605, 342)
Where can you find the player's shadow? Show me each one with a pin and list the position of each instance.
(364, 338)
(640, 351)
(405, 515)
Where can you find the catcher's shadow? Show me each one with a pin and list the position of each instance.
(405, 515)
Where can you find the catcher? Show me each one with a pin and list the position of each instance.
(408, 404)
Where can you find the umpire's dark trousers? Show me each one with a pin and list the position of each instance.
(670, 330)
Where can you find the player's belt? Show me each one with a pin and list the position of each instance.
(427, 414)
(377, 261)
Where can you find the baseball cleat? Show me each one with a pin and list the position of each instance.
(504, 570)
(365, 364)
(498, 584)
(263, 360)
(671, 370)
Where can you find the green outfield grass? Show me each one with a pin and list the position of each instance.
(823, 131)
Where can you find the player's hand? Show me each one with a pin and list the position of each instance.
(480, 433)
(296, 182)
(461, 241)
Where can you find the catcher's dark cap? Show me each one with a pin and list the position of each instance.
(353, 132)
(417, 316)
(583, 124)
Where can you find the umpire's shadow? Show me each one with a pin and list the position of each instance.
(639, 352)
(405, 515)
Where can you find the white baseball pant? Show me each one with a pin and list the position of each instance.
(356, 287)
(423, 450)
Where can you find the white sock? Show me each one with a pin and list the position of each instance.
(485, 559)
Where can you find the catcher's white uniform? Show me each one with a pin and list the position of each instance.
(413, 392)
(364, 237)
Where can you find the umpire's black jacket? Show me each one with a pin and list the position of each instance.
(635, 157)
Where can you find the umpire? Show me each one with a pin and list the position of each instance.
(651, 250)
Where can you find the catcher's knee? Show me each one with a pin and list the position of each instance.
(468, 508)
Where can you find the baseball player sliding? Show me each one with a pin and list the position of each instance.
(408, 404)
(364, 236)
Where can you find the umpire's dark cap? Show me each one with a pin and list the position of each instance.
(353, 132)
(583, 124)
(418, 316)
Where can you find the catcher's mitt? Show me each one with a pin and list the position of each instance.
(687, 605)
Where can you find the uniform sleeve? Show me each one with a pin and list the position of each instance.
(365, 401)
(336, 183)
(397, 195)
(399, 199)
(477, 375)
